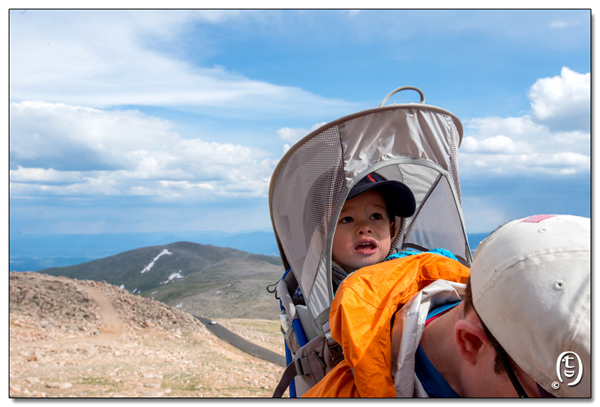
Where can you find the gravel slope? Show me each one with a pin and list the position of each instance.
(74, 338)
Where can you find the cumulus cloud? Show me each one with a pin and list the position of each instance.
(108, 58)
(291, 135)
(45, 176)
(58, 149)
(525, 165)
(496, 144)
(73, 137)
(562, 102)
(552, 139)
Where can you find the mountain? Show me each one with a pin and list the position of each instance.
(37, 252)
(202, 280)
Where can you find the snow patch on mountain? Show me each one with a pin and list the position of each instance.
(172, 277)
(149, 266)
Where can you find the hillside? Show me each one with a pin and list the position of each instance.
(202, 280)
(39, 251)
(75, 338)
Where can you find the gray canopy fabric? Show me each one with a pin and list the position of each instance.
(413, 143)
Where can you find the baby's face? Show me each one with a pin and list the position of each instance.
(364, 232)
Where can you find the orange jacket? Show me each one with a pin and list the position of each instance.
(361, 321)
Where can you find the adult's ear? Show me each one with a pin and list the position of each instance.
(470, 340)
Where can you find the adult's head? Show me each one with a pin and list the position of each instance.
(530, 283)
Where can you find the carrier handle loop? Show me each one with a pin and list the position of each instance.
(401, 88)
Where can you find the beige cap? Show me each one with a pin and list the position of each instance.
(531, 287)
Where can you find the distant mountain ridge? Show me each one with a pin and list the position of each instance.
(203, 280)
(37, 252)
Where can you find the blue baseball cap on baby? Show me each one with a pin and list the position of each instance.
(399, 198)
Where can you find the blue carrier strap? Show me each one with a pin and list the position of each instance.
(288, 359)
(300, 335)
(432, 381)
(288, 352)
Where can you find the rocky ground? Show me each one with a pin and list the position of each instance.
(74, 338)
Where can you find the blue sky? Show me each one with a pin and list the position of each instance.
(165, 120)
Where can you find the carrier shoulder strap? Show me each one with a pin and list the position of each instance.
(312, 361)
(297, 367)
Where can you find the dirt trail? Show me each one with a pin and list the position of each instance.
(112, 324)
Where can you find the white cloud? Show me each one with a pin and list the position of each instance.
(67, 137)
(533, 164)
(58, 149)
(291, 135)
(562, 102)
(107, 58)
(45, 176)
(536, 143)
(496, 144)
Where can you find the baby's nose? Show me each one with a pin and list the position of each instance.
(364, 229)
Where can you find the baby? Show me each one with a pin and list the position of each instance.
(366, 226)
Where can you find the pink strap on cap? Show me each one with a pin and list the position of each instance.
(537, 218)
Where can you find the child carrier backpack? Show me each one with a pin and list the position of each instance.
(414, 143)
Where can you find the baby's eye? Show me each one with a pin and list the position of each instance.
(377, 216)
(346, 219)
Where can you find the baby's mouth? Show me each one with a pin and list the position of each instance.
(366, 246)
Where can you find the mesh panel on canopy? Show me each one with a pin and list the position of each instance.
(307, 190)
(438, 223)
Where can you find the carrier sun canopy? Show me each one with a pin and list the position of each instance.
(413, 143)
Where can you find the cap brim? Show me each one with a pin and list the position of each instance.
(399, 198)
